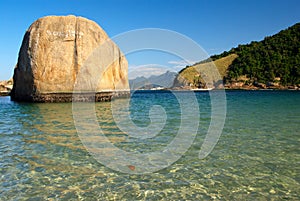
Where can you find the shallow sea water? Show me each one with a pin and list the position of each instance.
(256, 158)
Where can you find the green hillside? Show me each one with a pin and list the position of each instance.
(191, 76)
(276, 59)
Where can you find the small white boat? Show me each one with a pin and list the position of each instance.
(201, 89)
(157, 88)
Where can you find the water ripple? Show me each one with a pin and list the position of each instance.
(256, 158)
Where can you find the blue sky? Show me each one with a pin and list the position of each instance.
(215, 25)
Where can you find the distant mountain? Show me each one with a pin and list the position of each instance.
(273, 62)
(164, 80)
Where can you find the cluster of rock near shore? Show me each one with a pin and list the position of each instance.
(258, 86)
(65, 55)
(6, 87)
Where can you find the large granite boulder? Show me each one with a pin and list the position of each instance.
(60, 52)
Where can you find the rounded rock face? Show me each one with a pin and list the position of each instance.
(66, 54)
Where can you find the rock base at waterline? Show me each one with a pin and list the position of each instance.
(74, 97)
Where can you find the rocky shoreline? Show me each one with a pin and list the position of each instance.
(233, 86)
(260, 86)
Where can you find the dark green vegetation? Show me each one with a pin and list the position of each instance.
(272, 61)
(275, 56)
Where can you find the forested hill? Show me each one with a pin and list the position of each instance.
(276, 59)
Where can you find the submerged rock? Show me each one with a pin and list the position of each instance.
(65, 54)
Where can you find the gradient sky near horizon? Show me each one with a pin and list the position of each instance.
(216, 25)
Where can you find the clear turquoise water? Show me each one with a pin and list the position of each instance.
(257, 156)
